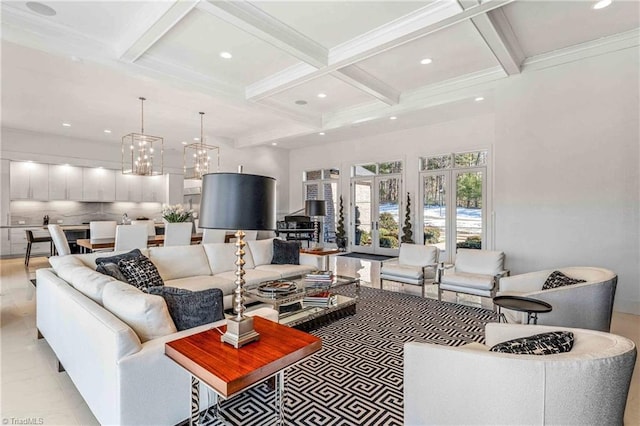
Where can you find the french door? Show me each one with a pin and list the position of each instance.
(376, 213)
(453, 209)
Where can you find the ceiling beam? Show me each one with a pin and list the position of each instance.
(260, 24)
(360, 79)
(420, 23)
(139, 46)
(496, 32)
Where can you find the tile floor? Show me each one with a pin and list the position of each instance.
(31, 389)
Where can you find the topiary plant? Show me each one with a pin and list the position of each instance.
(407, 229)
(341, 235)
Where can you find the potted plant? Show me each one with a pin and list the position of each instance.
(176, 213)
(407, 229)
(341, 235)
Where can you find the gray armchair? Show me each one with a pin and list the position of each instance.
(416, 264)
(585, 305)
(468, 385)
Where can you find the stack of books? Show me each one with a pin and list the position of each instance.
(319, 277)
(320, 300)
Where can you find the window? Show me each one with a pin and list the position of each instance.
(323, 185)
(453, 193)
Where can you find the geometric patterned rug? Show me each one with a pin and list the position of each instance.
(356, 379)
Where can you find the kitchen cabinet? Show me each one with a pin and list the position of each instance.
(65, 182)
(128, 187)
(29, 181)
(5, 244)
(153, 189)
(98, 184)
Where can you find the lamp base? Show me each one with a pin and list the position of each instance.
(239, 332)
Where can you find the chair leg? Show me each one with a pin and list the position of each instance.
(423, 290)
(27, 254)
(439, 293)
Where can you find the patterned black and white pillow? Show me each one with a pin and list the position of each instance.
(553, 342)
(112, 270)
(140, 272)
(558, 279)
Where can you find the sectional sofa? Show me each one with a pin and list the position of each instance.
(110, 336)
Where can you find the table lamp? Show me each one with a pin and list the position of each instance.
(238, 202)
(315, 209)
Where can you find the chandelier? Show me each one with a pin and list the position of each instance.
(142, 154)
(199, 158)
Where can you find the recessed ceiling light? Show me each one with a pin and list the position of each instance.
(226, 55)
(41, 9)
(426, 61)
(107, 131)
(602, 4)
(66, 124)
(393, 118)
(321, 133)
(196, 139)
(274, 143)
(184, 142)
(479, 99)
(301, 102)
(322, 95)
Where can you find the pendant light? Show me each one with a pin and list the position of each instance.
(199, 158)
(142, 155)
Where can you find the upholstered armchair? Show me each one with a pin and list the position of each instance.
(468, 385)
(583, 305)
(475, 272)
(416, 264)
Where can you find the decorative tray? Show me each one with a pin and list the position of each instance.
(277, 286)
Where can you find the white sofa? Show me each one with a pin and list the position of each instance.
(584, 305)
(123, 375)
(469, 385)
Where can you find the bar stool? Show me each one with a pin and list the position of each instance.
(31, 240)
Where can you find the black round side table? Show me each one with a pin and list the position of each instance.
(532, 307)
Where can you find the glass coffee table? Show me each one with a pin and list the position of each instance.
(294, 311)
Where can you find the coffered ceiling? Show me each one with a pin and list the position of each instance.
(297, 68)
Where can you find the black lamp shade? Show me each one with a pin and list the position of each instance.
(238, 201)
(315, 207)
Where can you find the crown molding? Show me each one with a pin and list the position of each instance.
(601, 46)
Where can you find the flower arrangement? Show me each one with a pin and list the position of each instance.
(176, 213)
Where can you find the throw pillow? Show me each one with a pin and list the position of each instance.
(140, 272)
(112, 270)
(115, 259)
(553, 342)
(558, 279)
(285, 252)
(190, 309)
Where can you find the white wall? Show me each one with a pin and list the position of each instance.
(54, 149)
(564, 143)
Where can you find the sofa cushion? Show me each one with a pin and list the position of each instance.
(140, 272)
(286, 271)
(146, 314)
(553, 342)
(175, 262)
(558, 279)
(261, 251)
(112, 270)
(203, 282)
(190, 309)
(222, 257)
(84, 279)
(285, 252)
(252, 276)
